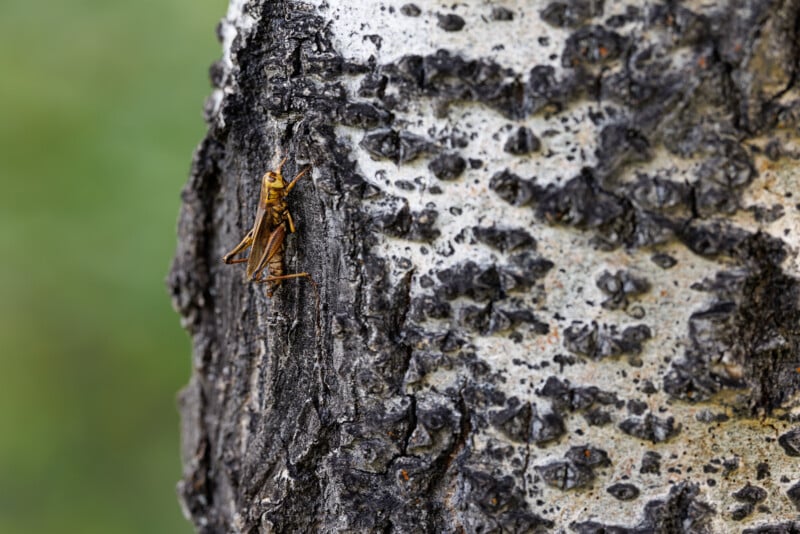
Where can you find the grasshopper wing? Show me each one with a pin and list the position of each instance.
(261, 233)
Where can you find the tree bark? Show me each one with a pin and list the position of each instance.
(556, 247)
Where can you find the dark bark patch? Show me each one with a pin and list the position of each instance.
(502, 13)
(621, 288)
(363, 115)
(491, 283)
(750, 494)
(450, 22)
(651, 463)
(574, 398)
(767, 215)
(410, 10)
(753, 320)
(636, 407)
(681, 511)
(592, 45)
(565, 475)
(588, 456)
(665, 261)
(422, 227)
(790, 442)
(762, 471)
(597, 342)
(621, 145)
(581, 202)
(502, 503)
(447, 166)
(546, 427)
(576, 470)
(504, 240)
(405, 185)
(523, 270)
(515, 422)
(513, 189)
(392, 216)
(450, 78)
(660, 195)
(490, 319)
(789, 527)
(623, 491)
(631, 14)
(794, 495)
(710, 240)
(546, 93)
(741, 512)
(373, 85)
(571, 13)
(729, 465)
(522, 142)
(470, 280)
(651, 428)
(429, 306)
(375, 39)
(217, 74)
(597, 417)
(400, 147)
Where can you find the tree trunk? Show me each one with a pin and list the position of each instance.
(556, 249)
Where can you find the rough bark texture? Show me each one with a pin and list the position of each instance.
(557, 253)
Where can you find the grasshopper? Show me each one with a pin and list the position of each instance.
(266, 238)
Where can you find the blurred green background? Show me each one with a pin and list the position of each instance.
(100, 110)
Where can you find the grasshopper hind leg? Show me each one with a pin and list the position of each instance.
(244, 244)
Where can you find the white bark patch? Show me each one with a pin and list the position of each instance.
(512, 43)
(238, 21)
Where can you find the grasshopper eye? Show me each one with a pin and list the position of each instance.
(270, 177)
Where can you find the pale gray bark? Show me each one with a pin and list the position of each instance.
(557, 255)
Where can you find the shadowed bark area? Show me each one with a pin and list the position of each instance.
(540, 287)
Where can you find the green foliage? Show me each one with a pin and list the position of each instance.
(101, 110)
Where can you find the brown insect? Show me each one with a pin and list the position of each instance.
(266, 238)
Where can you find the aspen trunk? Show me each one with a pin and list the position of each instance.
(556, 247)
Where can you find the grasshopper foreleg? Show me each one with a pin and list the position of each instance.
(294, 180)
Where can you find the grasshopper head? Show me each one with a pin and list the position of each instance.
(274, 179)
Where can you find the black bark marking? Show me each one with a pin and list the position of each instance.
(504, 240)
(681, 511)
(621, 288)
(447, 166)
(651, 428)
(623, 491)
(651, 463)
(450, 22)
(571, 13)
(522, 142)
(400, 147)
(410, 10)
(790, 442)
(502, 13)
(754, 320)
